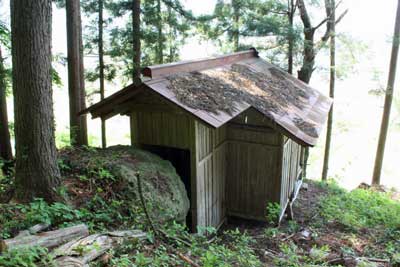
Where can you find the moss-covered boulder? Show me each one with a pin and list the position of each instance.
(114, 171)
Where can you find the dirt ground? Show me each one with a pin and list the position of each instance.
(306, 235)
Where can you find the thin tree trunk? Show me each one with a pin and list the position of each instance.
(236, 17)
(376, 178)
(136, 39)
(36, 171)
(76, 86)
(5, 143)
(160, 43)
(101, 70)
(331, 13)
(290, 37)
(171, 36)
(309, 53)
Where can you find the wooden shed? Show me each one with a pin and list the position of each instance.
(233, 126)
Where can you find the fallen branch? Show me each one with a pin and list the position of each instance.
(187, 260)
(79, 252)
(49, 239)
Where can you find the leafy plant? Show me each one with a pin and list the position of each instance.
(26, 256)
(273, 212)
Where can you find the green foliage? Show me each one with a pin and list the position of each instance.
(26, 257)
(273, 211)
(235, 250)
(15, 217)
(294, 256)
(361, 208)
(238, 252)
(5, 34)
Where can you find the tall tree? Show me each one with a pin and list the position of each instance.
(136, 39)
(292, 5)
(101, 68)
(160, 39)
(376, 178)
(330, 10)
(236, 5)
(5, 143)
(36, 171)
(311, 47)
(76, 85)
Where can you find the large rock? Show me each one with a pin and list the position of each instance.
(163, 190)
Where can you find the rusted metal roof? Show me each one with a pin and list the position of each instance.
(244, 80)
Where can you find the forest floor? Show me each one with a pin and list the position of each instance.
(331, 227)
(357, 236)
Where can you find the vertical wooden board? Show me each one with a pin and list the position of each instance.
(134, 128)
(201, 206)
(207, 191)
(163, 128)
(211, 188)
(194, 170)
(155, 128)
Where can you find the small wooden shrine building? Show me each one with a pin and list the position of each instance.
(233, 126)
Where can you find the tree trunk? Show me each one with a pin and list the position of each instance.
(290, 37)
(305, 73)
(101, 70)
(160, 42)
(5, 143)
(76, 86)
(36, 171)
(376, 178)
(236, 17)
(331, 14)
(136, 39)
(307, 68)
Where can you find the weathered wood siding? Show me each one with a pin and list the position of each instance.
(211, 173)
(253, 174)
(291, 170)
(156, 122)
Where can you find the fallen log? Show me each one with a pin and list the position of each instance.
(79, 252)
(48, 240)
(38, 228)
(33, 230)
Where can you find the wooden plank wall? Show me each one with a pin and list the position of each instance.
(211, 174)
(290, 170)
(253, 174)
(163, 129)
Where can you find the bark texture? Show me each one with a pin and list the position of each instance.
(236, 18)
(76, 84)
(36, 171)
(101, 70)
(160, 41)
(291, 12)
(136, 39)
(376, 178)
(5, 143)
(331, 13)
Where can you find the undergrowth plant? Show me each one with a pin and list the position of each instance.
(273, 211)
(26, 257)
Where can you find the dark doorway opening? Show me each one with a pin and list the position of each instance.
(180, 159)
